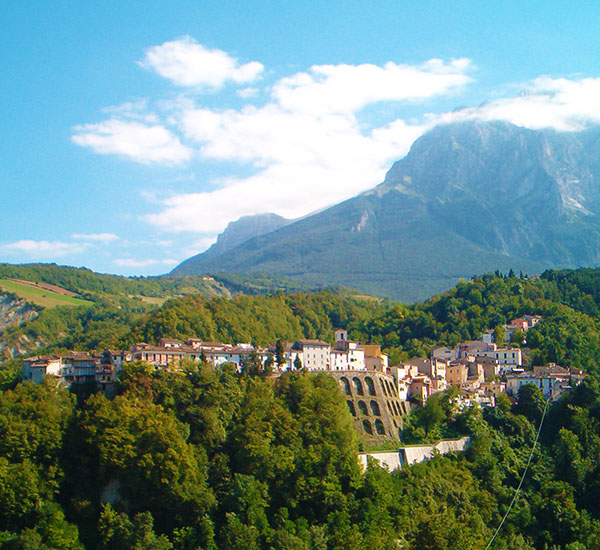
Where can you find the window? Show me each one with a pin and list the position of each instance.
(367, 427)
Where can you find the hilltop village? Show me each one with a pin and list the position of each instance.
(378, 395)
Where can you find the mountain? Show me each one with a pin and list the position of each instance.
(468, 198)
(243, 229)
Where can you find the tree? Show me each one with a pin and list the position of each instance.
(499, 335)
(145, 448)
(517, 338)
(279, 353)
(251, 364)
(119, 532)
(530, 403)
(298, 363)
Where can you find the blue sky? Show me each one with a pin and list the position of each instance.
(133, 132)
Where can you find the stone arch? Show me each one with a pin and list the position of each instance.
(383, 386)
(367, 427)
(375, 408)
(351, 407)
(346, 385)
(379, 427)
(362, 407)
(370, 385)
(358, 385)
(389, 388)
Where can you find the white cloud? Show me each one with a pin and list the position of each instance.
(187, 63)
(559, 103)
(307, 144)
(304, 165)
(137, 141)
(131, 262)
(349, 88)
(43, 249)
(97, 237)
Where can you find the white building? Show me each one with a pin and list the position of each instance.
(35, 368)
(347, 355)
(314, 354)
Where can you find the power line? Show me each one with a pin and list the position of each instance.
(522, 477)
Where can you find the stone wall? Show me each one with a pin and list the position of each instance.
(373, 401)
(411, 454)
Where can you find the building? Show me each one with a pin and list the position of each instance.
(457, 373)
(76, 368)
(552, 380)
(350, 354)
(35, 368)
(445, 354)
(314, 354)
(374, 359)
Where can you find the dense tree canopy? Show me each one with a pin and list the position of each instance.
(206, 459)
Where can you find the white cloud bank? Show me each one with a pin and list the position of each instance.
(306, 143)
(187, 63)
(132, 262)
(560, 103)
(43, 249)
(103, 238)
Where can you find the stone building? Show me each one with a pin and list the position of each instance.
(374, 403)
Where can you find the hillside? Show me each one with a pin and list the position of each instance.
(569, 302)
(219, 460)
(50, 307)
(469, 198)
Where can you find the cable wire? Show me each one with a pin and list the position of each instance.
(522, 477)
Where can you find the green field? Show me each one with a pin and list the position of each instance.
(153, 300)
(41, 296)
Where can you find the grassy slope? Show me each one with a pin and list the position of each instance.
(41, 296)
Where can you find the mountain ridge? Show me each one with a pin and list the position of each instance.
(469, 197)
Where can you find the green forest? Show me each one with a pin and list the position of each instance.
(208, 459)
(214, 459)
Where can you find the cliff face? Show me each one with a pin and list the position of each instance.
(235, 234)
(14, 311)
